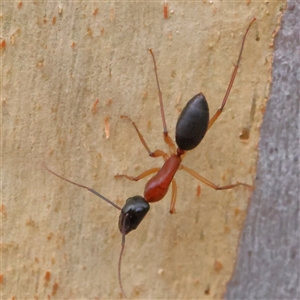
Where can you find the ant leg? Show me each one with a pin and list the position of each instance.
(219, 111)
(209, 183)
(137, 178)
(167, 139)
(174, 196)
(156, 153)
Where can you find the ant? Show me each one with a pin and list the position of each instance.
(193, 123)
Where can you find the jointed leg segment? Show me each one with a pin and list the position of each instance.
(219, 111)
(167, 139)
(156, 153)
(141, 176)
(209, 183)
(161, 105)
(174, 196)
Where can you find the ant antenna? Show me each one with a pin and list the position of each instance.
(123, 229)
(120, 257)
(83, 186)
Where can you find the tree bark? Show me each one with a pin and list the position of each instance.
(69, 71)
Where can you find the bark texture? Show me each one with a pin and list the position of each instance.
(69, 71)
(268, 261)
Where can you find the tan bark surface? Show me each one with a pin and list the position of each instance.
(60, 241)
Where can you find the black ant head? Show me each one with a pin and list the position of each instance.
(132, 213)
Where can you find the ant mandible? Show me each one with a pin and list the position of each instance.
(192, 125)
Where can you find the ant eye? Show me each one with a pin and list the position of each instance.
(133, 213)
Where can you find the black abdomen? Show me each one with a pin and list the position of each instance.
(192, 123)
